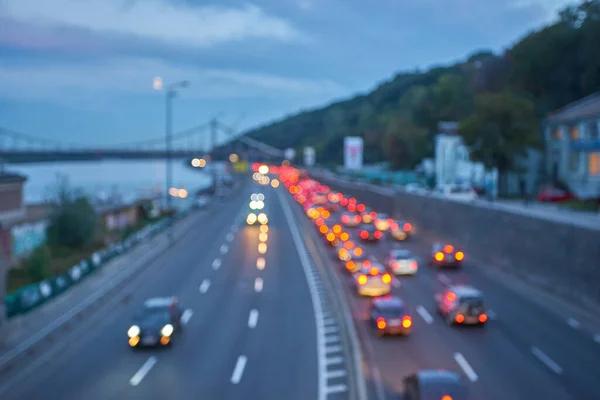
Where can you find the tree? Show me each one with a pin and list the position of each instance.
(404, 143)
(73, 222)
(502, 126)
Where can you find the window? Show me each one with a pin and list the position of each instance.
(556, 135)
(574, 162)
(594, 164)
(592, 129)
(574, 132)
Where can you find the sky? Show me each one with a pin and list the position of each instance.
(82, 71)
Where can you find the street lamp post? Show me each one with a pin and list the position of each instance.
(170, 94)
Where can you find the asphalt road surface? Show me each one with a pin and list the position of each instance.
(530, 349)
(249, 324)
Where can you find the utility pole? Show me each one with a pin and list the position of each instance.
(169, 154)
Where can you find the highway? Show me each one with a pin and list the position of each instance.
(250, 326)
(529, 350)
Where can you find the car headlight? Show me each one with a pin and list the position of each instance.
(251, 218)
(167, 330)
(262, 218)
(133, 331)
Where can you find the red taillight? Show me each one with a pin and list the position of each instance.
(459, 256)
(413, 265)
(460, 318)
(448, 248)
(366, 263)
(394, 226)
(364, 234)
(374, 272)
(381, 324)
(407, 227)
(344, 202)
(373, 214)
(352, 200)
(439, 256)
(345, 219)
(386, 278)
(360, 207)
(377, 234)
(483, 318)
(406, 322)
(351, 207)
(357, 219)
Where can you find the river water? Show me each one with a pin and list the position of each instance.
(104, 179)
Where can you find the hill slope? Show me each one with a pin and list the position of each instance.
(544, 71)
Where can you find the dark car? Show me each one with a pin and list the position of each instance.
(446, 255)
(350, 219)
(401, 230)
(435, 385)
(389, 316)
(357, 262)
(369, 233)
(462, 305)
(155, 324)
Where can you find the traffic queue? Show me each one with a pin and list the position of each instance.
(349, 228)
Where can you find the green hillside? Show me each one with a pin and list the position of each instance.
(499, 100)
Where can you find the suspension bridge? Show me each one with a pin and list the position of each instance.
(201, 140)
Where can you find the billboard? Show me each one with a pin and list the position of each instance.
(309, 156)
(353, 152)
(289, 154)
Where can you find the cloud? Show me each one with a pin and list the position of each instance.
(161, 20)
(547, 10)
(112, 79)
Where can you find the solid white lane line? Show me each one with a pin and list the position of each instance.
(224, 249)
(260, 263)
(547, 361)
(185, 317)
(238, 371)
(230, 237)
(424, 314)
(253, 319)
(204, 286)
(258, 284)
(216, 264)
(597, 338)
(573, 323)
(462, 362)
(143, 371)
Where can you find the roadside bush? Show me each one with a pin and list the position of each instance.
(39, 264)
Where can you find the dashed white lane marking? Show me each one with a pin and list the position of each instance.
(492, 315)
(260, 263)
(331, 329)
(547, 361)
(258, 285)
(336, 389)
(334, 360)
(338, 373)
(238, 371)
(143, 371)
(462, 362)
(230, 237)
(333, 349)
(234, 228)
(216, 264)
(253, 319)
(332, 339)
(597, 338)
(424, 314)
(444, 279)
(396, 283)
(185, 317)
(224, 249)
(204, 286)
(573, 323)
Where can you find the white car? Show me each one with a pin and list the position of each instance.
(402, 262)
(456, 192)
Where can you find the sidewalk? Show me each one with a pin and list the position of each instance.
(24, 331)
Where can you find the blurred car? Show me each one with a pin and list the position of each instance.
(457, 192)
(257, 218)
(446, 255)
(463, 305)
(400, 230)
(350, 219)
(435, 385)
(368, 216)
(382, 222)
(554, 194)
(369, 233)
(402, 262)
(390, 316)
(331, 206)
(357, 262)
(159, 318)
(373, 281)
(227, 180)
(341, 253)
